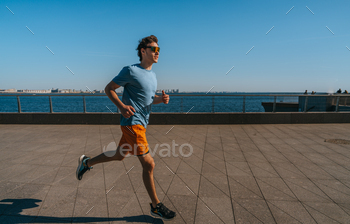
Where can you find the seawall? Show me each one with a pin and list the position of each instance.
(179, 118)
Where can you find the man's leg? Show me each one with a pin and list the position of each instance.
(102, 158)
(147, 175)
(157, 209)
(85, 163)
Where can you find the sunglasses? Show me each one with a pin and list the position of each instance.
(154, 49)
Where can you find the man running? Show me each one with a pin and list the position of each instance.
(140, 85)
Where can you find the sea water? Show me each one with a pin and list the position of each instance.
(183, 103)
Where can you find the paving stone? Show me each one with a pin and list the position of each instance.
(242, 215)
(238, 169)
(120, 186)
(90, 204)
(178, 187)
(172, 162)
(93, 178)
(210, 169)
(293, 209)
(275, 157)
(275, 189)
(248, 147)
(288, 170)
(212, 145)
(130, 162)
(281, 216)
(337, 172)
(179, 219)
(128, 212)
(44, 175)
(20, 172)
(205, 215)
(116, 202)
(197, 151)
(305, 190)
(220, 181)
(77, 148)
(335, 190)
(267, 148)
(252, 211)
(186, 169)
(238, 173)
(329, 210)
(59, 202)
(186, 206)
(231, 147)
(112, 171)
(315, 172)
(319, 159)
(194, 162)
(28, 200)
(234, 156)
(221, 206)
(254, 157)
(7, 187)
(242, 187)
(345, 207)
(191, 181)
(208, 189)
(261, 169)
(135, 178)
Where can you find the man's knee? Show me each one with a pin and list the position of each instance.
(149, 166)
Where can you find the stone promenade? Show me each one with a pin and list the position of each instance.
(233, 174)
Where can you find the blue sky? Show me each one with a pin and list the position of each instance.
(200, 42)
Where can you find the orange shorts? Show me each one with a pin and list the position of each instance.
(134, 140)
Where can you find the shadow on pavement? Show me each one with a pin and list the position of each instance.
(13, 208)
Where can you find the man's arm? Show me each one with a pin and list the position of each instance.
(125, 110)
(157, 99)
(164, 98)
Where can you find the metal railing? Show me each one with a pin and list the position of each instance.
(306, 103)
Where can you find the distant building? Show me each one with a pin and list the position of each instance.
(34, 91)
(8, 90)
(168, 90)
(53, 90)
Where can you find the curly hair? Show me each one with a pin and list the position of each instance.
(143, 43)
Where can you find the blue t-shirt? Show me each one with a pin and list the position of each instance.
(140, 86)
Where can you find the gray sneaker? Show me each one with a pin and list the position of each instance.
(82, 167)
(162, 212)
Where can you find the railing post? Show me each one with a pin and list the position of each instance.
(117, 107)
(243, 104)
(337, 105)
(181, 104)
(212, 105)
(305, 105)
(274, 104)
(51, 111)
(84, 104)
(19, 105)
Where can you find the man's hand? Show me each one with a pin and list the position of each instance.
(165, 97)
(127, 111)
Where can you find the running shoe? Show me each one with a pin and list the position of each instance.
(162, 212)
(82, 167)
